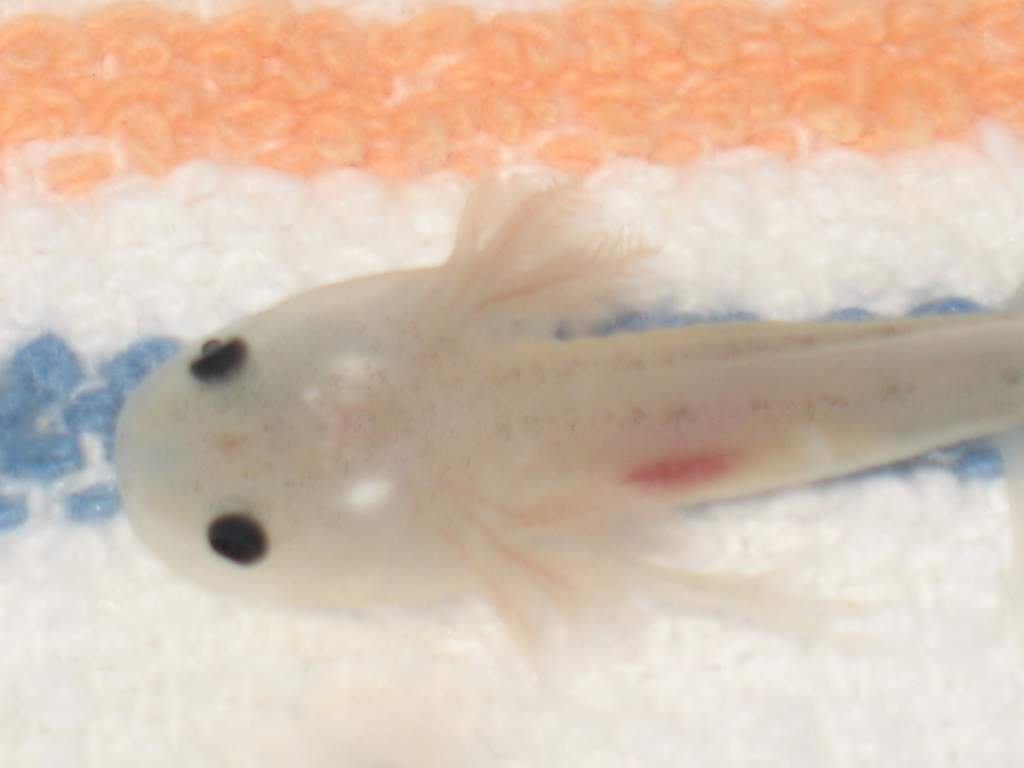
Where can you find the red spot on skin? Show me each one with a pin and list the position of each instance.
(681, 470)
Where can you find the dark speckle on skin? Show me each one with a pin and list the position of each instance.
(758, 404)
(634, 364)
(219, 361)
(1012, 376)
(894, 391)
(682, 414)
(835, 401)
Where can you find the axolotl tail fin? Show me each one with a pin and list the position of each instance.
(1011, 448)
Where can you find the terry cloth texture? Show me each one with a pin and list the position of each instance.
(167, 169)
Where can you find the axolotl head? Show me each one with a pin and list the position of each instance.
(273, 459)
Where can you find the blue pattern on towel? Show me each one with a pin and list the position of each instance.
(47, 402)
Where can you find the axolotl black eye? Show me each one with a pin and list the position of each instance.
(238, 537)
(218, 360)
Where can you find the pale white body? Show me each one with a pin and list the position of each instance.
(401, 441)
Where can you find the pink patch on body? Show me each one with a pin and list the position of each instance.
(681, 470)
(228, 443)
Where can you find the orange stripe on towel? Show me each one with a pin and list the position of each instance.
(309, 92)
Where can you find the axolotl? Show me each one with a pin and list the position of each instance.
(405, 437)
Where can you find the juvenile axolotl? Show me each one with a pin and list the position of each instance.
(402, 437)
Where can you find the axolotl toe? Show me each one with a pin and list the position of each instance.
(389, 440)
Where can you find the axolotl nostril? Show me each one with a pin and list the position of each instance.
(395, 440)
